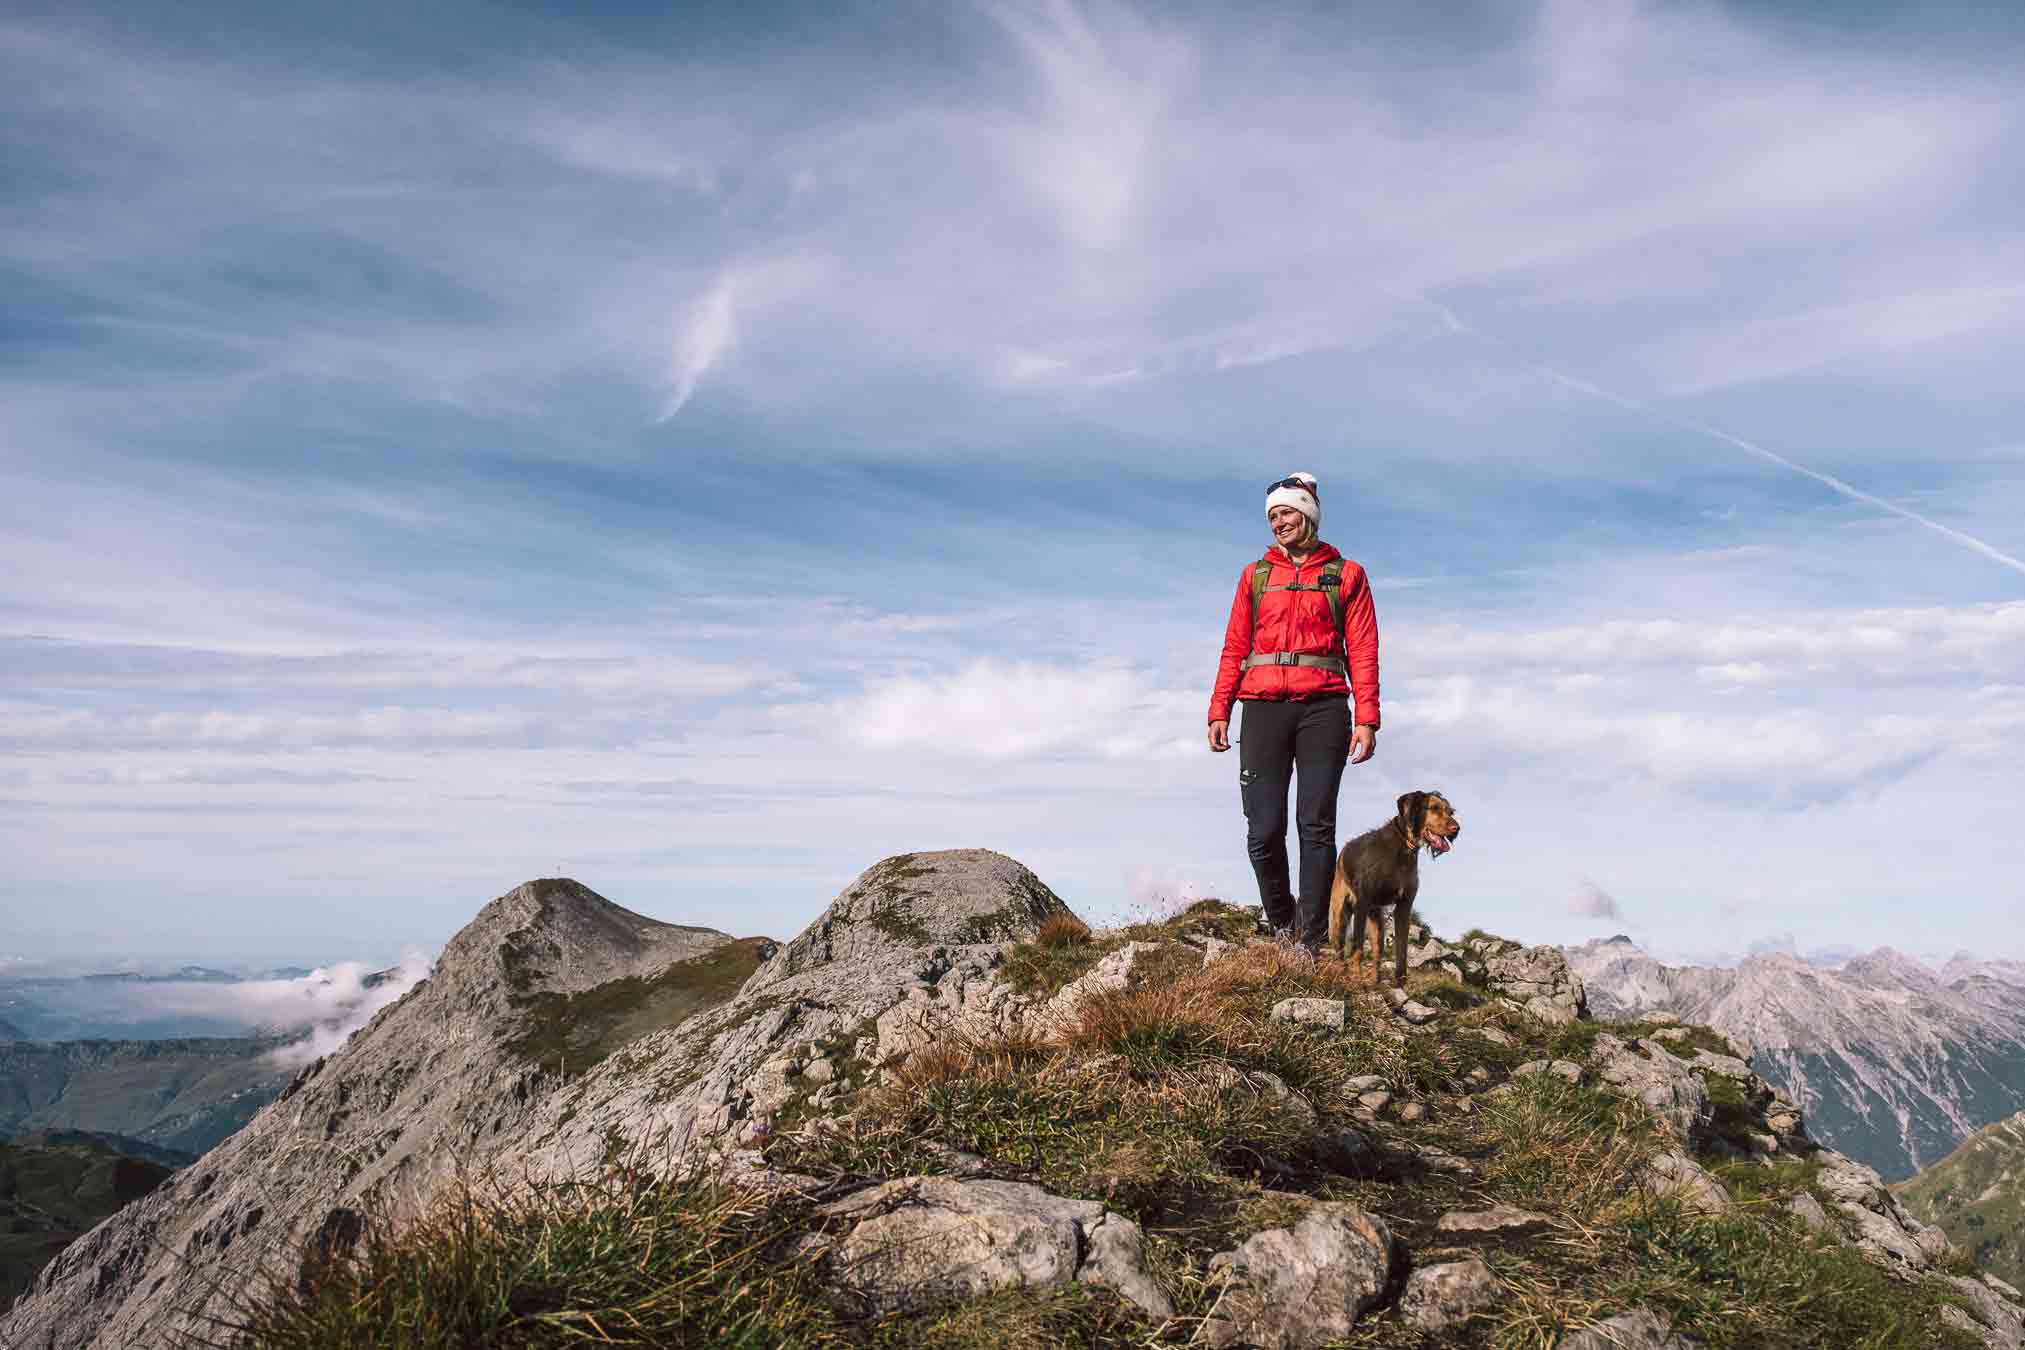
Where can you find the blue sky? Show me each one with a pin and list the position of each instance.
(704, 454)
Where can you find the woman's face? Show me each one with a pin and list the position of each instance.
(1289, 527)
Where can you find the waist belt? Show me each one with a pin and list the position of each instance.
(1334, 663)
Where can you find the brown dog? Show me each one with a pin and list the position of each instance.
(1381, 868)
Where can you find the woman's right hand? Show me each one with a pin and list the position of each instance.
(1219, 736)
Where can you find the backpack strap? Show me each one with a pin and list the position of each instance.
(1330, 585)
(1332, 591)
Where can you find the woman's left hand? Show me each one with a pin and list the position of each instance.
(1363, 744)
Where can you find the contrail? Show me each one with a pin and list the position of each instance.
(1857, 494)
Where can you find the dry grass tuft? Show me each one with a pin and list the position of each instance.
(1063, 930)
(1172, 1021)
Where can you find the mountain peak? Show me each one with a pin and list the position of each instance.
(957, 898)
(559, 935)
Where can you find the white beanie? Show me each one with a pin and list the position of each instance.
(1306, 498)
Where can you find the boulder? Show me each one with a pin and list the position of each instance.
(1304, 1286)
(1665, 1084)
(918, 1241)
(1447, 1295)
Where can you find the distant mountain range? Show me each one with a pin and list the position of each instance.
(183, 1095)
(1895, 1063)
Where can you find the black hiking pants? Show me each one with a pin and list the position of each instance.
(1280, 739)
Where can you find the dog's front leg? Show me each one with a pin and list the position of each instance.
(1402, 917)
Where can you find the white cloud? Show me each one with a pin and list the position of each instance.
(1591, 901)
(997, 710)
(344, 1005)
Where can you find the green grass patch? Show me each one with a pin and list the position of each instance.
(1732, 1117)
(1035, 968)
(1445, 991)
(1771, 1285)
(1563, 1148)
(568, 1033)
(607, 1262)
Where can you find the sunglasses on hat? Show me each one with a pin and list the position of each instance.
(1295, 483)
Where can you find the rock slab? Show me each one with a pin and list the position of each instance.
(920, 1241)
(1301, 1287)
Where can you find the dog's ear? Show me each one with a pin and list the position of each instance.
(1413, 816)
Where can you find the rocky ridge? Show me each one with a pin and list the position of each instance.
(560, 1033)
(1895, 1063)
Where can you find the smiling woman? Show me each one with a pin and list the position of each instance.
(1293, 651)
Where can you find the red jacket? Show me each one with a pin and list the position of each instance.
(1298, 621)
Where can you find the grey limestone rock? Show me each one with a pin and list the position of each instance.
(1304, 1286)
(1538, 980)
(1674, 1173)
(1639, 1329)
(1496, 1219)
(1442, 1296)
(919, 1241)
(1999, 1323)
(1664, 1083)
(1810, 1213)
(1876, 1223)
(1117, 970)
(1321, 1013)
(1565, 1069)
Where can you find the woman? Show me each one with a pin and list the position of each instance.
(1302, 639)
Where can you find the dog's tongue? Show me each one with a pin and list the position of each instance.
(1438, 844)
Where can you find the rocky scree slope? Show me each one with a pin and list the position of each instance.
(1977, 1196)
(1894, 1063)
(971, 1112)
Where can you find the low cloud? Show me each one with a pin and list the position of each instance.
(347, 1004)
(1591, 901)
